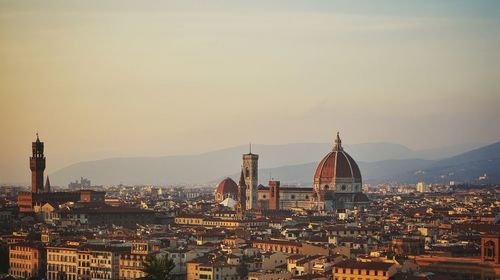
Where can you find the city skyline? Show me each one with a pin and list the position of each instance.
(250, 140)
(152, 79)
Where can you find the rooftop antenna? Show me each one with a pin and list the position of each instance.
(250, 147)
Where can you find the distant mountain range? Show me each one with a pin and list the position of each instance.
(294, 163)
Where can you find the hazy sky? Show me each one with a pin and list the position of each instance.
(103, 79)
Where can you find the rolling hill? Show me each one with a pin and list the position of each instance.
(291, 163)
(466, 167)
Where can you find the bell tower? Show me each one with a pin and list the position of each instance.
(37, 166)
(274, 195)
(250, 172)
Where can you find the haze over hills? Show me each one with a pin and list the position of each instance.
(372, 172)
(291, 163)
(466, 167)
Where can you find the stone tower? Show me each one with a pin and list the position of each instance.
(274, 195)
(241, 205)
(47, 184)
(250, 172)
(37, 166)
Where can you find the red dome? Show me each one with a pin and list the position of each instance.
(337, 164)
(227, 186)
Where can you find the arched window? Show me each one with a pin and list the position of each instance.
(489, 250)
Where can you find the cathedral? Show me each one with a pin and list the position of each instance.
(336, 184)
(337, 181)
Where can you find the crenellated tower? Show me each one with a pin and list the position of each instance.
(37, 166)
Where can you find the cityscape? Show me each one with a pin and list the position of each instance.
(180, 140)
(336, 229)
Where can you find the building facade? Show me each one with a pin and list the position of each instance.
(132, 263)
(62, 262)
(207, 268)
(27, 259)
(351, 269)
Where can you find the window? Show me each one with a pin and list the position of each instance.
(489, 250)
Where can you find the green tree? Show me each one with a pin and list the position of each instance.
(242, 269)
(158, 268)
(4, 258)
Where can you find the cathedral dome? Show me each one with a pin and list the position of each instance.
(337, 166)
(227, 186)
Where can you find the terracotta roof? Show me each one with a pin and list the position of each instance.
(278, 242)
(364, 265)
(227, 186)
(337, 164)
(192, 216)
(106, 210)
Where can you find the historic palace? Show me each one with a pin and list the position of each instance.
(41, 194)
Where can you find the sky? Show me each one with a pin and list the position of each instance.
(100, 79)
